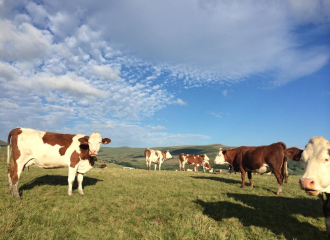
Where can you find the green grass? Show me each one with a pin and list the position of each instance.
(140, 204)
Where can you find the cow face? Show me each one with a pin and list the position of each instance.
(316, 178)
(168, 155)
(220, 158)
(94, 143)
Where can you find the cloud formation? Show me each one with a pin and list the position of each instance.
(104, 65)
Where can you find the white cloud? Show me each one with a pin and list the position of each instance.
(218, 115)
(157, 128)
(224, 92)
(107, 72)
(180, 102)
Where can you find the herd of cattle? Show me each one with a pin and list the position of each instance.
(78, 153)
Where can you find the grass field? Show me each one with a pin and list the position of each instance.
(140, 204)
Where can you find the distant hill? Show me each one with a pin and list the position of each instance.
(3, 143)
(134, 157)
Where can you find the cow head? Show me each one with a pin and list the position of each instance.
(316, 157)
(168, 155)
(94, 142)
(220, 158)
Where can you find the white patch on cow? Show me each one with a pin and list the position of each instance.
(220, 158)
(206, 158)
(263, 169)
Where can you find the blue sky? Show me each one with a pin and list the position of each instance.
(165, 73)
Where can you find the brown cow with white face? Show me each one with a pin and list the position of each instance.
(51, 150)
(316, 179)
(260, 159)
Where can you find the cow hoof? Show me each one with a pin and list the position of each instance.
(81, 193)
(279, 193)
(70, 194)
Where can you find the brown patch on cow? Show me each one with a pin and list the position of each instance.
(64, 140)
(147, 152)
(74, 159)
(164, 154)
(83, 155)
(13, 135)
(83, 140)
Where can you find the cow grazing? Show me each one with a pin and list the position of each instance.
(316, 179)
(206, 166)
(156, 157)
(196, 160)
(256, 159)
(51, 150)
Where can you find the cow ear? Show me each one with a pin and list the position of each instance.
(84, 140)
(224, 152)
(106, 140)
(293, 153)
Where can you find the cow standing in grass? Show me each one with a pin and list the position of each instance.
(156, 157)
(316, 179)
(51, 150)
(261, 159)
(191, 159)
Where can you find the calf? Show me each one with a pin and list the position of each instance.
(256, 159)
(51, 150)
(316, 178)
(196, 160)
(156, 157)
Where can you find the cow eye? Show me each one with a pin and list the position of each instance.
(327, 160)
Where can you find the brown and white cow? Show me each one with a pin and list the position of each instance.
(190, 159)
(51, 150)
(206, 166)
(156, 157)
(316, 179)
(260, 159)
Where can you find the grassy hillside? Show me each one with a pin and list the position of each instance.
(134, 157)
(140, 204)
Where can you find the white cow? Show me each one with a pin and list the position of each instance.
(316, 179)
(156, 157)
(51, 150)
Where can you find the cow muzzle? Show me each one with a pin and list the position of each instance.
(92, 153)
(308, 184)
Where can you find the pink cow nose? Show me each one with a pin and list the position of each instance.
(307, 183)
(92, 152)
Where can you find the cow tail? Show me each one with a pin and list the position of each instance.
(8, 151)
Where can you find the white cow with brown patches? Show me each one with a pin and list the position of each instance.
(156, 157)
(316, 179)
(51, 150)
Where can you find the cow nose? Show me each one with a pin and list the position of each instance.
(92, 152)
(307, 183)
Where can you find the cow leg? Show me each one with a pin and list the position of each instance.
(326, 212)
(71, 177)
(80, 178)
(155, 166)
(250, 178)
(160, 164)
(279, 178)
(243, 177)
(14, 174)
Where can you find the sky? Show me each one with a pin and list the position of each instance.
(154, 73)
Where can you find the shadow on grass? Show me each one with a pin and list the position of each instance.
(56, 180)
(270, 212)
(220, 179)
(239, 182)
